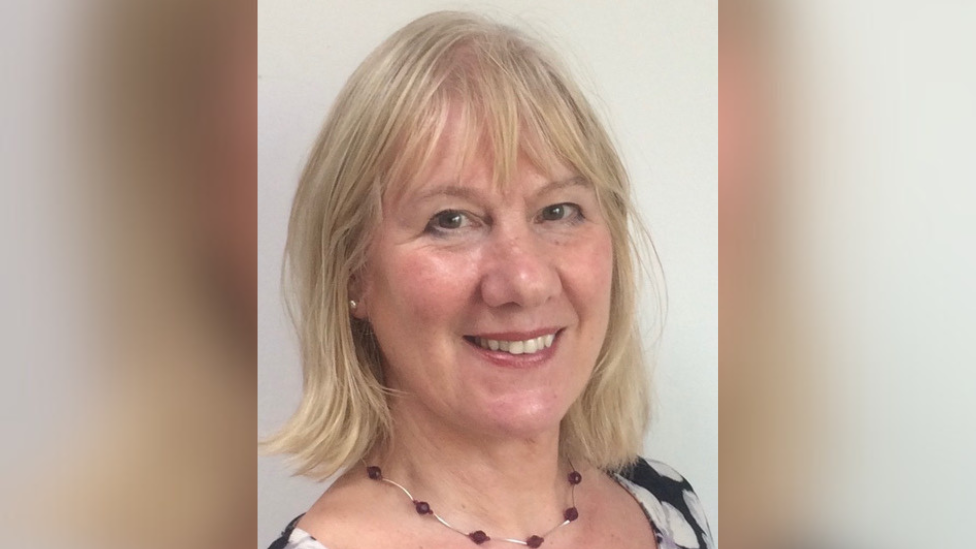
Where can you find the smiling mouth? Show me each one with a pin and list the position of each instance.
(524, 347)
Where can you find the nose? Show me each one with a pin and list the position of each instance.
(519, 269)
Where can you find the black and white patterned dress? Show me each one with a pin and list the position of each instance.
(668, 501)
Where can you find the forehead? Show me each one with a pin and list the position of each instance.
(465, 155)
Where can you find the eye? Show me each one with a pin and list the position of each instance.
(448, 220)
(561, 212)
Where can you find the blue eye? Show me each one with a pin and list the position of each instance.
(561, 212)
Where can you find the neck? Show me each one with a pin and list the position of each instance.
(504, 486)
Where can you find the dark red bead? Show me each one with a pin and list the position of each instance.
(478, 537)
(575, 477)
(534, 541)
(374, 472)
(571, 514)
(422, 507)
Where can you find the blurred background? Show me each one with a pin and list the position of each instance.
(846, 274)
(128, 233)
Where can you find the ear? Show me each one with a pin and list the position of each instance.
(358, 294)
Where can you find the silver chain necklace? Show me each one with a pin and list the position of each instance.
(479, 536)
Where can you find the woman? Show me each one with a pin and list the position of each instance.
(464, 286)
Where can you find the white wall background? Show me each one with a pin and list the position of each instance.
(650, 66)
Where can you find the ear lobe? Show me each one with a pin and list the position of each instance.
(357, 298)
(357, 308)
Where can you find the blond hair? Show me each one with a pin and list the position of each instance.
(515, 99)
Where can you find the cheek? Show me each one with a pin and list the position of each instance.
(587, 280)
(426, 286)
(591, 271)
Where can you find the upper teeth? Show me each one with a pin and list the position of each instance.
(526, 347)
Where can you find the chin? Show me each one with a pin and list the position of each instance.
(523, 420)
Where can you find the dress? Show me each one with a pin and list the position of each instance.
(671, 506)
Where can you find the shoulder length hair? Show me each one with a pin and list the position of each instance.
(515, 99)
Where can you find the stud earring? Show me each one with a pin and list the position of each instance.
(353, 304)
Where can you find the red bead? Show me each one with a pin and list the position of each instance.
(575, 477)
(534, 541)
(423, 507)
(374, 472)
(478, 537)
(571, 514)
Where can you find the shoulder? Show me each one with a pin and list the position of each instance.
(341, 517)
(670, 502)
(293, 538)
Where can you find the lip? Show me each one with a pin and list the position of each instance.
(519, 336)
(523, 361)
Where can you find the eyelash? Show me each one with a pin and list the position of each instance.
(575, 217)
(441, 231)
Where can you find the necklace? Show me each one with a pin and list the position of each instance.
(479, 536)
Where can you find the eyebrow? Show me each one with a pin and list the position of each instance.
(576, 181)
(472, 194)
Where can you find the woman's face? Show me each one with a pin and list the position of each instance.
(458, 265)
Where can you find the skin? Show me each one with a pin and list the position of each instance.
(535, 257)
(477, 432)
